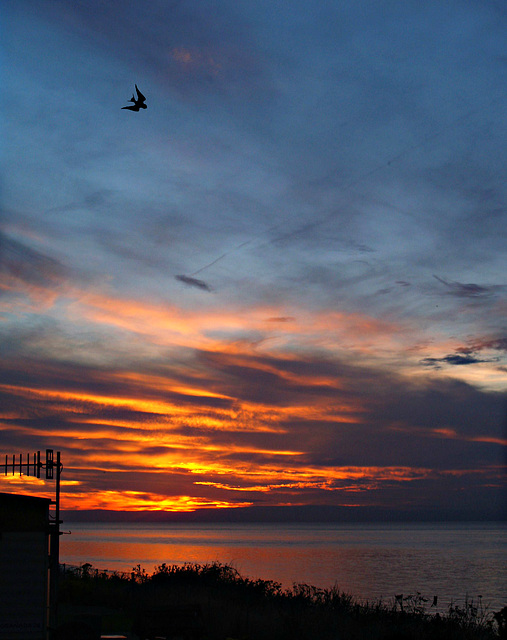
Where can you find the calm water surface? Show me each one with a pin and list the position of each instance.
(369, 561)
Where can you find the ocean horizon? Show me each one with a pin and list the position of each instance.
(371, 561)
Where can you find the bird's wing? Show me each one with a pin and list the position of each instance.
(132, 107)
(133, 99)
(140, 96)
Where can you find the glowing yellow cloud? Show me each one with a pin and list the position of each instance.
(143, 501)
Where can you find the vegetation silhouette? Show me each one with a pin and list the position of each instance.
(214, 602)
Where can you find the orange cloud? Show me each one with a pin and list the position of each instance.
(143, 501)
(195, 60)
(230, 416)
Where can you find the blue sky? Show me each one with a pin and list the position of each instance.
(285, 279)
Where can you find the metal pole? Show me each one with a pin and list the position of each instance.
(55, 553)
(57, 510)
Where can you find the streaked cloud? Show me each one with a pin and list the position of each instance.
(469, 290)
(193, 282)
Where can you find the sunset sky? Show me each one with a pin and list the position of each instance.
(285, 281)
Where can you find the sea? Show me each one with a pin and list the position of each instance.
(457, 562)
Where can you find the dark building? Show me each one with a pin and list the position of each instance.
(24, 567)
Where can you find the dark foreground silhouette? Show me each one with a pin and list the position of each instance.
(214, 602)
(139, 102)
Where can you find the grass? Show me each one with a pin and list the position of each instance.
(214, 602)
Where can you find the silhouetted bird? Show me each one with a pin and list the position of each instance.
(139, 103)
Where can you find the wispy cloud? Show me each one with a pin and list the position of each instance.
(456, 359)
(470, 290)
(193, 282)
(27, 265)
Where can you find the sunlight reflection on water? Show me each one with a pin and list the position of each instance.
(368, 561)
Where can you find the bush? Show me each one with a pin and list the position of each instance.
(232, 606)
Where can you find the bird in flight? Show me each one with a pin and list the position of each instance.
(139, 103)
